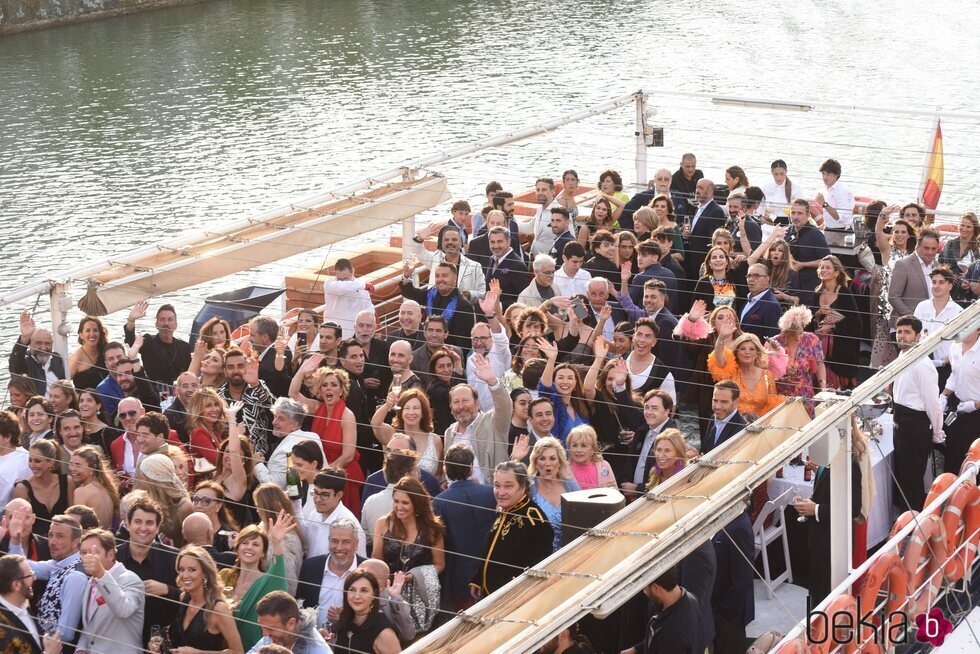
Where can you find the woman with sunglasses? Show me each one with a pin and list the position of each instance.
(209, 499)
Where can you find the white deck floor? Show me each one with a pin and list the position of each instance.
(962, 639)
(772, 615)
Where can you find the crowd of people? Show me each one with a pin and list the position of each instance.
(335, 486)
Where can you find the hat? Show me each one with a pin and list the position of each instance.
(160, 468)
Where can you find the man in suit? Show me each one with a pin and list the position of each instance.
(164, 355)
(185, 386)
(698, 571)
(648, 254)
(808, 245)
(561, 228)
(506, 266)
(910, 283)
(760, 311)
(732, 598)
(275, 368)
(683, 185)
(659, 185)
(728, 421)
(32, 356)
(19, 633)
(393, 605)
(708, 217)
(375, 483)
(442, 298)
(598, 291)
(817, 511)
(467, 509)
(321, 578)
(113, 609)
(657, 407)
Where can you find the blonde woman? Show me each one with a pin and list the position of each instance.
(204, 622)
(158, 477)
(95, 485)
(550, 476)
(271, 502)
(747, 364)
(589, 469)
(669, 452)
(207, 424)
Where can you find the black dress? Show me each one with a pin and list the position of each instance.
(91, 377)
(359, 638)
(442, 416)
(102, 439)
(42, 515)
(196, 635)
(401, 556)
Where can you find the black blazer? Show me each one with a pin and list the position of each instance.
(14, 634)
(699, 242)
(636, 446)
(763, 319)
(513, 277)
(311, 578)
(558, 249)
(276, 380)
(21, 363)
(819, 530)
(732, 427)
(733, 595)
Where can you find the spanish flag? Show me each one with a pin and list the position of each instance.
(932, 179)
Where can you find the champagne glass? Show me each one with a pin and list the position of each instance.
(49, 626)
(155, 643)
(798, 498)
(396, 388)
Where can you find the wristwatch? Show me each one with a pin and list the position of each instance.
(417, 239)
(826, 204)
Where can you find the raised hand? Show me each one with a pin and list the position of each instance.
(548, 349)
(484, 371)
(137, 346)
(251, 375)
(494, 287)
(625, 272)
(233, 409)
(311, 363)
(392, 399)
(780, 231)
(281, 526)
(395, 584)
(407, 268)
(27, 326)
(92, 564)
(200, 348)
(619, 372)
(457, 360)
(600, 348)
(698, 309)
(521, 448)
(138, 310)
(605, 313)
(489, 302)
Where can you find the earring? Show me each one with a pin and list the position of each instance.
(205, 583)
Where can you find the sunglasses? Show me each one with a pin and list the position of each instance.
(128, 414)
(201, 499)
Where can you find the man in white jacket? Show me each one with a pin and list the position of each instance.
(344, 297)
(471, 280)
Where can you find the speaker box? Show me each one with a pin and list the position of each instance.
(584, 509)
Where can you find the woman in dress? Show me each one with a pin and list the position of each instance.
(216, 332)
(445, 371)
(747, 364)
(616, 415)
(961, 252)
(333, 422)
(204, 623)
(784, 281)
(40, 415)
(271, 501)
(307, 322)
(95, 485)
(805, 371)
(86, 365)
(209, 499)
(206, 420)
(549, 477)
(837, 322)
(362, 627)
(158, 477)
(611, 189)
(308, 462)
(600, 219)
(238, 473)
(97, 432)
(250, 579)
(716, 286)
(669, 453)
(566, 197)
(411, 539)
(562, 386)
(891, 248)
(521, 399)
(208, 365)
(589, 468)
(413, 417)
(48, 491)
(663, 208)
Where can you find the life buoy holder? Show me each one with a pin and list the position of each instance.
(891, 567)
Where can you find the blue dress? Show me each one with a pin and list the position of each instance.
(564, 423)
(552, 513)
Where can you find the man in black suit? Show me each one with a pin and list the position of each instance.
(19, 631)
(506, 266)
(683, 183)
(759, 312)
(377, 373)
(32, 355)
(817, 512)
(733, 599)
(442, 298)
(728, 421)
(708, 217)
(561, 222)
(352, 359)
(321, 578)
(657, 406)
(275, 368)
(164, 355)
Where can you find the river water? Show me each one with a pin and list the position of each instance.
(124, 132)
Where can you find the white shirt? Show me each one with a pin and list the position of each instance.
(499, 358)
(568, 286)
(463, 437)
(129, 456)
(25, 617)
(841, 199)
(965, 378)
(926, 268)
(776, 196)
(343, 300)
(374, 507)
(931, 321)
(332, 589)
(316, 530)
(13, 469)
(918, 389)
(544, 238)
(637, 379)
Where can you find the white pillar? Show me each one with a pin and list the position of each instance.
(641, 146)
(408, 224)
(60, 304)
(841, 520)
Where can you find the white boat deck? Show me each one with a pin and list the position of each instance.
(965, 638)
(771, 614)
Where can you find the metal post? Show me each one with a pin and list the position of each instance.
(840, 501)
(60, 304)
(641, 146)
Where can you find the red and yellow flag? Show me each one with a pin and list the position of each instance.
(932, 180)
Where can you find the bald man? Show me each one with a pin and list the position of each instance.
(17, 529)
(198, 530)
(400, 362)
(184, 388)
(409, 324)
(32, 356)
(394, 607)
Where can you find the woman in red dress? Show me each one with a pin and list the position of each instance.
(333, 422)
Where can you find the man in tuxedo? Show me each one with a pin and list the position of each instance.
(506, 266)
(708, 217)
(910, 282)
(468, 511)
(321, 578)
(18, 631)
(113, 609)
(561, 228)
(264, 332)
(657, 407)
(760, 311)
(728, 421)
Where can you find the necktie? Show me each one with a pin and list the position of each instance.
(93, 598)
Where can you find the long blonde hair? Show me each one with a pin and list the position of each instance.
(212, 587)
(101, 474)
(677, 441)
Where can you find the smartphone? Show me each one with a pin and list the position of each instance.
(578, 306)
(300, 338)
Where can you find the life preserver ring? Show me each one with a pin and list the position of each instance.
(962, 508)
(940, 484)
(241, 333)
(927, 541)
(819, 628)
(891, 567)
(972, 455)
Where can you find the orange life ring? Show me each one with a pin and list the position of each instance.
(972, 455)
(927, 541)
(956, 513)
(891, 567)
(941, 483)
(842, 603)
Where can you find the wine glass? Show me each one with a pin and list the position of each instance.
(49, 626)
(798, 498)
(156, 638)
(396, 388)
(404, 557)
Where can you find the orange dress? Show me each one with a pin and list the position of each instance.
(759, 400)
(332, 437)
